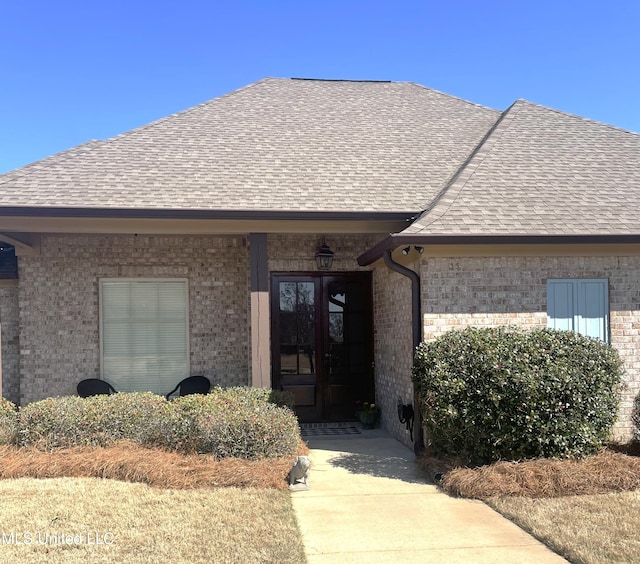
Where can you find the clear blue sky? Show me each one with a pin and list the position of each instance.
(71, 71)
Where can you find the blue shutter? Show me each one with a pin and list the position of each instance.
(561, 304)
(593, 308)
(580, 305)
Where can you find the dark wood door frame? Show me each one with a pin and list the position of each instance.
(330, 369)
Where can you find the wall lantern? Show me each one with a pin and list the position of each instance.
(324, 257)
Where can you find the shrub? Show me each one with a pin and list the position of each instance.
(635, 418)
(8, 422)
(98, 420)
(504, 393)
(276, 397)
(281, 398)
(229, 422)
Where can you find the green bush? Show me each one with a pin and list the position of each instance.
(504, 393)
(8, 422)
(635, 418)
(246, 394)
(237, 422)
(98, 420)
(228, 422)
(281, 398)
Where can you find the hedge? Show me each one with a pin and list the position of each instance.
(635, 418)
(237, 422)
(230, 422)
(70, 421)
(490, 394)
(8, 422)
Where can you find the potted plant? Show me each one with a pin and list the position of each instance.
(368, 414)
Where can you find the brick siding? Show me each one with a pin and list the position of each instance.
(59, 339)
(393, 348)
(492, 291)
(10, 341)
(296, 252)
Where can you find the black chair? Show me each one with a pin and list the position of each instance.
(94, 387)
(192, 385)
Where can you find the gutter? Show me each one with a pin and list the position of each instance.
(187, 213)
(416, 326)
(396, 240)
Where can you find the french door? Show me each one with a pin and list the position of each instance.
(322, 342)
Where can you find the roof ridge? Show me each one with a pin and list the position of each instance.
(340, 80)
(576, 116)
(459, 98)
(448, 195)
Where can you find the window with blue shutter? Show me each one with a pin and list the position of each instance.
(580, 305)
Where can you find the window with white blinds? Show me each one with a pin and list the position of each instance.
(580, 305)
(144, 333)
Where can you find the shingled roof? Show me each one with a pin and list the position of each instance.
(542, 172)
(278, 144)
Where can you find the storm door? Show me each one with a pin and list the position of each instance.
(322, 342)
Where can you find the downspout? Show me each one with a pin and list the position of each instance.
(415, 295)
(416, 326)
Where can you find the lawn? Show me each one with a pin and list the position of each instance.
(95, 520)
(589, 529)
(129, 503)
(134, 478)
(586, 510)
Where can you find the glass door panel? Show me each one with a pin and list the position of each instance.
(322, 342)
(296, 344)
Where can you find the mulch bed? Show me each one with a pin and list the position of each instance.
(613, 469)
(128, 461)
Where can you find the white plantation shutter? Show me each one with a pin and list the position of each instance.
(580, 305)
(144, 334)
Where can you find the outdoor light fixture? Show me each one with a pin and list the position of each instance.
(324, 257)
(407, 250)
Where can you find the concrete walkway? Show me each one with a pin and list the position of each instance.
(367, 503)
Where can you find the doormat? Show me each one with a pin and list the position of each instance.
(328, 431)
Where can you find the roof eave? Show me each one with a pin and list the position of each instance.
(396, 240)
(164, 213)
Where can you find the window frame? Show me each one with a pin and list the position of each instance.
(184, 281)
(578, 304)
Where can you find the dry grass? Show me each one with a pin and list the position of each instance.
(587, 510)
(605, 472)
(179, 508)
(590, 529)
(131, 462)
(65, 519)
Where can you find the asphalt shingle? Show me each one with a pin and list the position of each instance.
(278, 144)
(542, 172)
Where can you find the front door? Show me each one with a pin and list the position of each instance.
(322, 342)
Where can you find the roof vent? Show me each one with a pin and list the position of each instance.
(338, 80)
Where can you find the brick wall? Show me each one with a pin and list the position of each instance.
(59, 339)
(10, 341)
(393, 347)
(58, 296)
(491, 291)
(296, 252)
